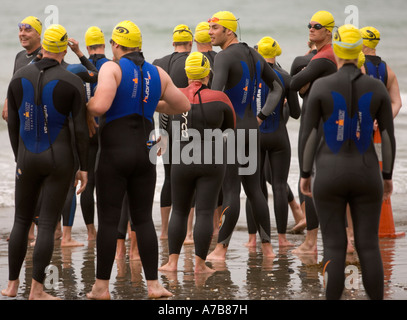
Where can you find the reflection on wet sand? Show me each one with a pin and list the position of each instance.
(245, 275)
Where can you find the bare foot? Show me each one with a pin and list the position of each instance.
(100, 290)
(12, 288)
(188, 241)
(172, 264)
(267, 250)
(156, 290)
(252, 241)
(218, 254)
(306, 248)
(92, 233)
(283, 242)
(168, 267)
(37, 292)
(201, 267)
(70, 243)
(300, 226)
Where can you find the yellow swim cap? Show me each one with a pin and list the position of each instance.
(55, 39)
(361, 59)
(325, 18)
(197, 66)
(201, 33)
(33, 22)
(94, 36)
(371, 37)
(268, 47)
(225, 19)
(347, 42)
(182, 33)
(127, 34)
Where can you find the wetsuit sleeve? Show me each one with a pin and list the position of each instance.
(220, 72)
(275, 93)
(315, 69)
(308, 140)
(80, 125)
(384, 118)
(293, 103)
(13, 123)
(89, 75)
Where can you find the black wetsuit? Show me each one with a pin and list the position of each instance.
(237, 70)
(22, 58)
(89, 75)
(275, 148)
(174, 65)
(87, 201)
(347, 170)
(124, 166)
(209, 110)
(43, 151)
(322, 64)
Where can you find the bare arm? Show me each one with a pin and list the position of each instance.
(173, 101)
(108, 82)
(394, 92)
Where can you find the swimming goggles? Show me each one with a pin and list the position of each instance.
(216, 19)
(25, 25)
(316, 26)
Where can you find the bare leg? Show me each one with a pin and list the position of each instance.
(252, 240)
(165, 216)
(172, 264)
(67, 240)
(189, 239)
(134, 253)
(91, 232)
(309, 246)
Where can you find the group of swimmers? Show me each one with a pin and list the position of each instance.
(52, 118)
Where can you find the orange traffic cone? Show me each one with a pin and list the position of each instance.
(386, 226)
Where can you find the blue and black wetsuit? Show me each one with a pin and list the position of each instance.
(210, 110)
(322, 64)
(41, 98)
(124, 166)
(376, 68)
(237, 70)
(174, 65)
(347, 170)
(275, 148)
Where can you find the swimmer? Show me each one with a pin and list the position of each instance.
(124, 166)
(322, 64)
(347, 169)
(236, 71)
(209, 110)
(44, 153)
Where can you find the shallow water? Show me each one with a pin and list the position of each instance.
(245, 275)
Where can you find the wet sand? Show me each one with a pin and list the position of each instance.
(245, 275)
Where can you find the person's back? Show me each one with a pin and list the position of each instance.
(126, 105)
(346, 104)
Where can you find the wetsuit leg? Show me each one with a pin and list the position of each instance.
(35, 174)
(183, 184)
(68, 212)
(165, 196)
(280, 165)
(141, 187)
(124, 219)
(364, 194)
(87, 200)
